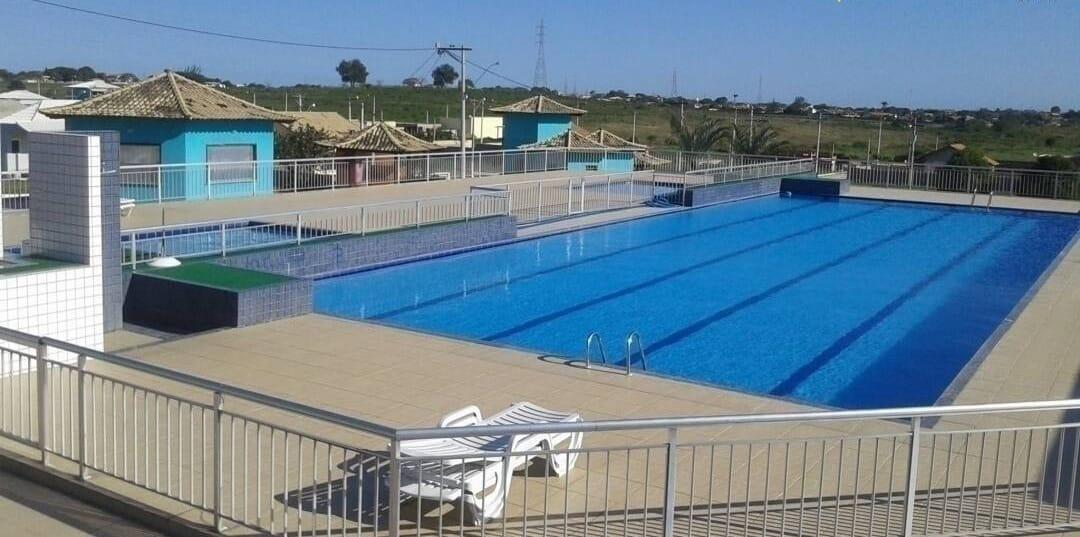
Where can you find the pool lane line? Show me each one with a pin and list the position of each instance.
(675, 273)
(551, 270)
(700, 324)
(788, 385)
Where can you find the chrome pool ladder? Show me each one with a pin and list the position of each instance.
(594, 337)
(989, 200)
(631, 339)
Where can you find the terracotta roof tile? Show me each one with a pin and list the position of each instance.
(168, 96)
(382, 138)
(538, 104)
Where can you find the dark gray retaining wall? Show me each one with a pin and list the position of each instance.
(335, 256)
(186, 307)
(815, 186)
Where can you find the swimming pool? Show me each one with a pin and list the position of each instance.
(842, 302)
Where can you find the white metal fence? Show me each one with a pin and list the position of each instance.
(1001, 181)
(14, 190)
(222, 237)
(545, 199)
(299, 470)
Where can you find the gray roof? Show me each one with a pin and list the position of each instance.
(168, 96)
(538, 104)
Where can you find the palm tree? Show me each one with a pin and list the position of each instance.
(763, 141)
(705, 136)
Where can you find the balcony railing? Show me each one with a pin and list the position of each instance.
(14, 190)
(224, 237)
(281, 467)
(1026, 183)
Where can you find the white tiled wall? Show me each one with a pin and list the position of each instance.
(64, 303)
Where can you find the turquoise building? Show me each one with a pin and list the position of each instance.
(533, 120)
(542, 123)
(181, 140)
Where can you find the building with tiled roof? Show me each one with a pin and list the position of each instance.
(170, 119)
(599, 150)
(534, 120)
(383, 142)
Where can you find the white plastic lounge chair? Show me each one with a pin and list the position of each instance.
(127, 206)
(476, 471)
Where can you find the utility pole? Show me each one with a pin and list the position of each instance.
(350, 109)
(461, 50)
(286, 101)
(362, 114)
(540, 73)
(881, 123)
(633, 133)
(911, 153)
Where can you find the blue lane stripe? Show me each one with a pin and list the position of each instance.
(551, 270)
(790, 384)
(700, 324)
(536, 321)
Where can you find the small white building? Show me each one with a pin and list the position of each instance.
(480, 127)
(90, 88)
(17, 120)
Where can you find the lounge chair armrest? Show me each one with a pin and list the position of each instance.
(464, 417)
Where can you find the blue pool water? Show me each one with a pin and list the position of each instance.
(846, 303)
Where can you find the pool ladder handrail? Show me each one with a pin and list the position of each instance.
(595, 336)
(630, 339)
(973, 194)
(989, 200)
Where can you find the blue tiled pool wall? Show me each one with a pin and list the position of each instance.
(335, 256)
(706, 195)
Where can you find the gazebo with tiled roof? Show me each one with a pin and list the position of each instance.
(216, 145)
(385, 144)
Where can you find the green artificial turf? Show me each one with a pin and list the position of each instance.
(219, 276)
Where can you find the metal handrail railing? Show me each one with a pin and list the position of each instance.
(588, 349)
(630, 339)
(200, 382)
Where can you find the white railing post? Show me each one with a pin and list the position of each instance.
(913, 476)
(394, 493)
(569, 195)
(397, 169)
(417, 213)
(671, 475)
(427, 167)
(607, 193)
(295, 176)
(219, 403)
(159, 195)
(363, 221)
(82, 417)
(223, 245)
(468, 206)
(43, 406)
(546, 160)
(539, 196)
(299, 226)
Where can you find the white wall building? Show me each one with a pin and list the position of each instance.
(18, 118)
(59, 290)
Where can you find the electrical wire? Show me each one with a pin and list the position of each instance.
(226, 35)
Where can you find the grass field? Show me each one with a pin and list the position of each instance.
(843, 137)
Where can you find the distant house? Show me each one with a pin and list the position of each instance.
(384, 142)
(599, 150)
(533, 120)
(92, 88)
(169, 119)
(944, 155)
(333, 124)
(18, 118)
(21, 96)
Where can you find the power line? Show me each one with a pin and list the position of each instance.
(228, 36)
(497, 75)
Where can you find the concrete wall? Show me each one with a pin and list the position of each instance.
(612, 161)
(522, 129)
(185, 142)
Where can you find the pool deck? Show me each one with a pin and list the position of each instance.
(402, 378)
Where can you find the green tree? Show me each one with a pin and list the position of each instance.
(300, 142)
(763, 141)
(352, 72)
(444, 75)
(969, 157)
(704, 136)
(798, 106)
(1055, 163)
(86, 73)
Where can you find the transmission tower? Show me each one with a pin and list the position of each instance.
(674, 83)
(540, 74)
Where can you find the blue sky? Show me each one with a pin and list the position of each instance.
(942, 53)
